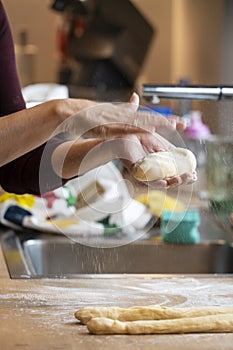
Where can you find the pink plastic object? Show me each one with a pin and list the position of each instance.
(197, 129)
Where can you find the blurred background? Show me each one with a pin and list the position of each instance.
(104, 50)
(189, 41)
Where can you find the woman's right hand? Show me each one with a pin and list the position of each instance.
(107, 120)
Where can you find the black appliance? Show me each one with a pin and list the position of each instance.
(107, 41)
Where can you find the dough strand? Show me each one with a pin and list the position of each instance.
(152, 312)
(203, 324)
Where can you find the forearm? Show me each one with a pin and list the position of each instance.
(30, 128)
(25, 130)
(75, 158)
(52, 164)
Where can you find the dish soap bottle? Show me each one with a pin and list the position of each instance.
(194, 137)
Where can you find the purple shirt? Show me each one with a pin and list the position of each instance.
(21, 175)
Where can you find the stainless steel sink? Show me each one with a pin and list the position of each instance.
(31, 255)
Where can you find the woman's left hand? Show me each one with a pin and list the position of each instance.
(135, 147)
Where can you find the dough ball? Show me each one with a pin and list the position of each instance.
(162, 165)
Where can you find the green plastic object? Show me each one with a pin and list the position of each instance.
(180, 227)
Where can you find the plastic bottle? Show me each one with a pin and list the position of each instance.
(195, 135)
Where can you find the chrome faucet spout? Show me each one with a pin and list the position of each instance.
(188, 92)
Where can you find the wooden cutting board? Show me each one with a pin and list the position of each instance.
(39, 314)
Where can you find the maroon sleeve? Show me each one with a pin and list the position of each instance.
(11, 99)
(33, 172)
(22, 174)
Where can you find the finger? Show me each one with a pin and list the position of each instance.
(158, 184)
(177, 123)
(125, 118)
(188, 178)
(153, 142)
(174, 181)
(134, 99)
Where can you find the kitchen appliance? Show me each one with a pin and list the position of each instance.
(104, 45)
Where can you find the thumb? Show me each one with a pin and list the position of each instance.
(134, 99)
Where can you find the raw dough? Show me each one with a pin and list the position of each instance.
(203, 324)
(152, 312)
(161, 165)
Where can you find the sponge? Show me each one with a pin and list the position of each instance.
(180, 227)
(157, 201)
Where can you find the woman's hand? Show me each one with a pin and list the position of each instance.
(118, 132)
(137, 146)
(77, 157)
(107, 120)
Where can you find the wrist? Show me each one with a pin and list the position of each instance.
(61, 110)
(64, 108)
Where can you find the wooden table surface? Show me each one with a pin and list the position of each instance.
(39, 314)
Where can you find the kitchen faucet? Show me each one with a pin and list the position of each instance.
(188, 92)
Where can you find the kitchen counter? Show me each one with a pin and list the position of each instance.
(39, 314)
